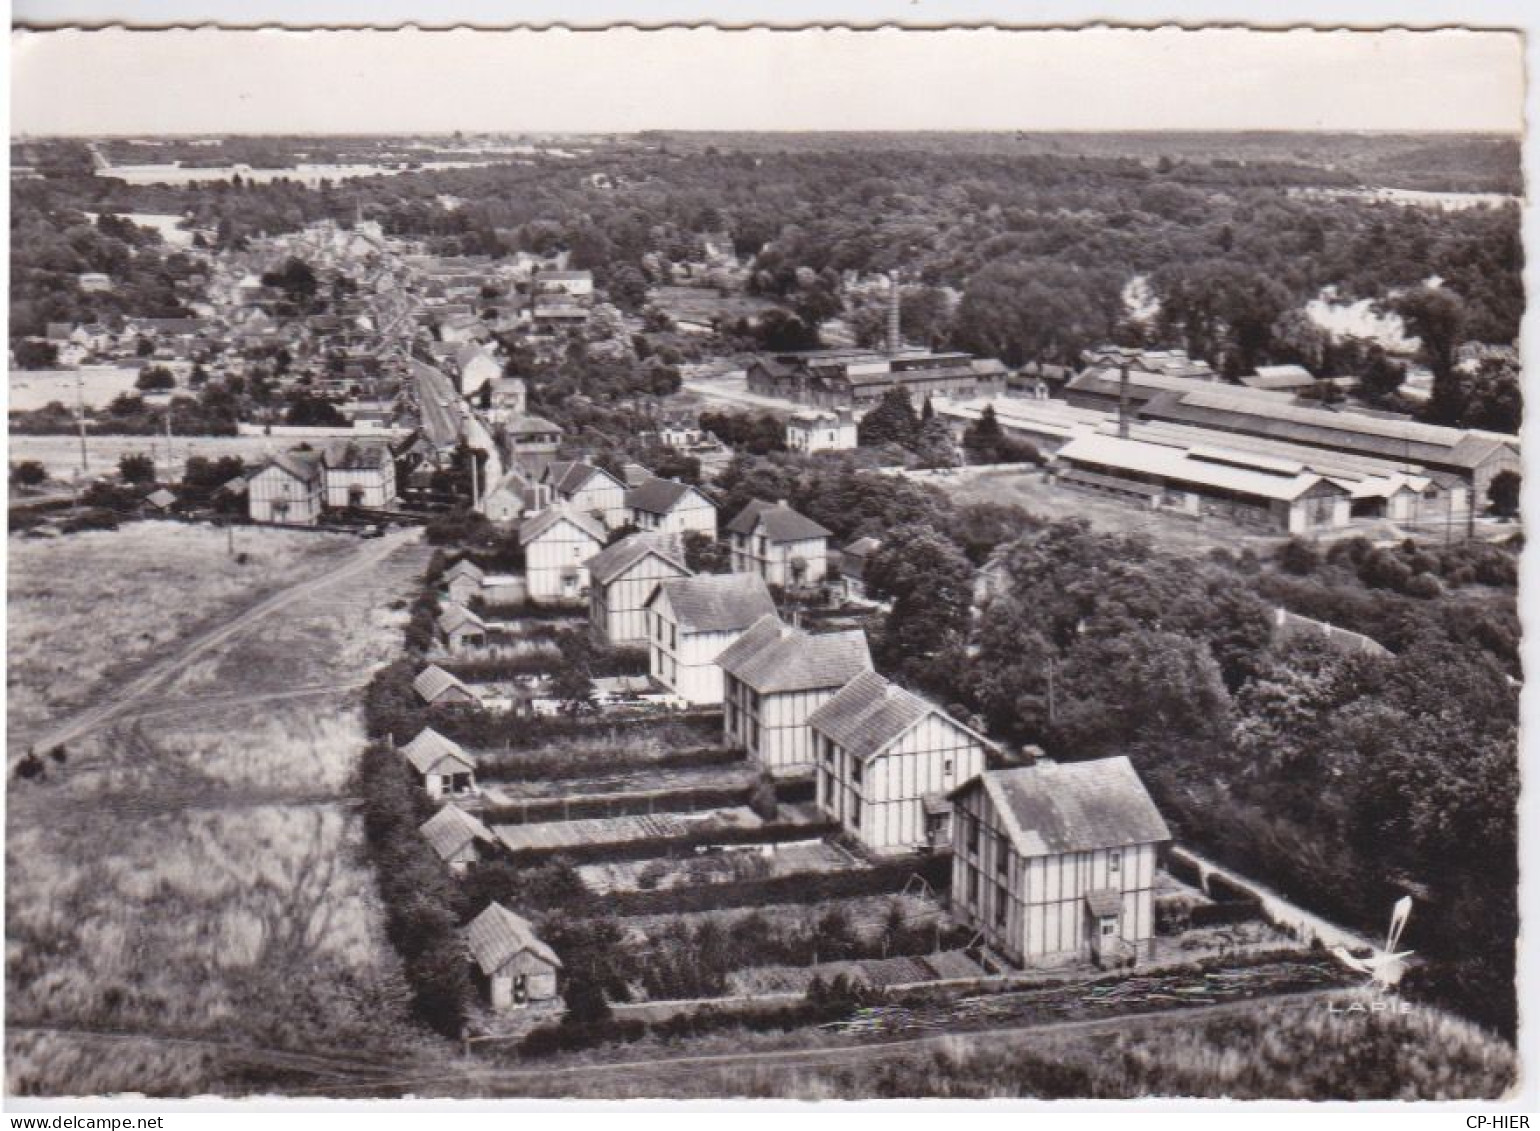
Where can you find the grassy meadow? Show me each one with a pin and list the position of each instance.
(195, 871)
(87, 607)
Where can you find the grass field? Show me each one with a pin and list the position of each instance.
(86, 607)
(195, 870)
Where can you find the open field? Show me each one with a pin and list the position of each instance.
(194, 873)
(61, 454)
(95, 386)
(1027, 489)
(88, 607)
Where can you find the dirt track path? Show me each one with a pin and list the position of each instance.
(129, 696)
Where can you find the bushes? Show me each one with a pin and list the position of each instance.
(768, 795)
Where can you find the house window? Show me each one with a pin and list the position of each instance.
(855, 816)
(1114, 862)
(1002, 855)
(1109, 927)
(973, 886)
(1001, 907)
(972, 824)
(855, 772)
(946, 768)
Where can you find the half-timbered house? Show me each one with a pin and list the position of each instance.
(623, 577)
(692, 620)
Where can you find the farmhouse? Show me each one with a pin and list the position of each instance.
(286, 489)
(821, 431)
(774, 676)
(443, 768)
(588, 490)
(557, 544)
(458, 838)
(1056, 862)
(1476, 457)
(437, 687)
(693, 619)
(1252, 490)
(359, 473)
(780, 545)
(462, 581)
(883, 753)
(513, 966)
(623, 577)
(670, 507)
(461, 630)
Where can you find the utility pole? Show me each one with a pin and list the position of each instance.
(80, 422)
(1123, 401)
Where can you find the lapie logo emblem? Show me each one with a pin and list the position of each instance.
(1385, 968)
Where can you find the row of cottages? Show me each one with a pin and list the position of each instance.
(887, 759)
(667, 506)
(774, 677)
(443, 768)
(588, 490)
(511, 965)
(621, 580)
(557, 543)
(1056, 862)
(461, 630)
(693, 620)
(787, 549)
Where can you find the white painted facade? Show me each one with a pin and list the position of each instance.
(554, 561)
(275, 494)
(784, 564)
(685, 661)
(693, 511)
(617, 610)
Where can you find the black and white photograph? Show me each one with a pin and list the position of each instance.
(705, 564)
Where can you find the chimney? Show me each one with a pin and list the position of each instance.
(1123, 401)
(895, 339)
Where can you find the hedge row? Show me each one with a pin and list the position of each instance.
(683, 800)
(576, 765)
(771, 832)
(803, 887)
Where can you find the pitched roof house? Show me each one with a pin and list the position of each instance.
(670, 507)
(463, 580)
(623, 577)
(557, 544)
(1056, 861)
(693, 619)
(442, 766)
(881, 751)
(514, 966)
(784, 547)
(461, 629)
(436, 686)
(774, 677)
(287, 488)
(588, 490)
(457, 838)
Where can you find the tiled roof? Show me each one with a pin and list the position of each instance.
(451, 829)
(718, 602)
(780, 522)
(464, 568)
(537, 525)
(1055, 807)
(657, 496)
(773, 657)
(430, 748)
(455, 617)
(527, 424)
(356, 454)
(304, 466)
(433, 681)
(497, 935)
(612, 561)
(870, 712)
(567, 476)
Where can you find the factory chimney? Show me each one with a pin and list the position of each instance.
(895, 338)
(1123, 401)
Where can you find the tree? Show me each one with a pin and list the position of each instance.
(704, 554)
(981, 439)
(1436, 316)
(930, 584)
(892, 421)
(32, 353)
(154, 379)
(136, 468)
(297, 280)
(933, 447)
(28, 473)
(1504, 491)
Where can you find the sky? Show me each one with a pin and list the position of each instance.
(271, 81)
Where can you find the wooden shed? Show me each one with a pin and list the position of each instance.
(513, 966)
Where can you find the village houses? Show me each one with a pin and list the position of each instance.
(774, 677)
(557, 544)
(588, 490)
(668, 506)
(785, 548)
(886, 760)
(623, 577)
(1055, 862)
(693, 619)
